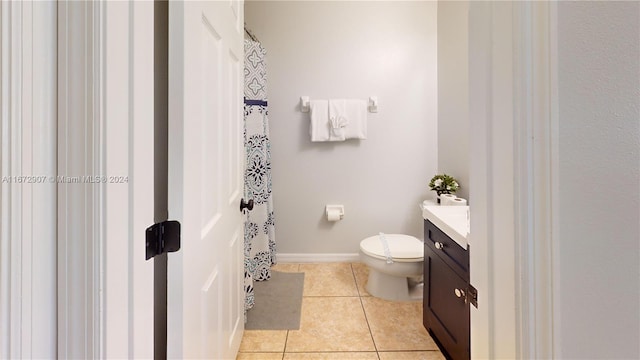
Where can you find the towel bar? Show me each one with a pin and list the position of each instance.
(304, 104)
(372, 104)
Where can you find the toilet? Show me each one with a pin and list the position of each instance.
(396, 273)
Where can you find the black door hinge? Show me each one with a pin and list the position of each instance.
(472, 295)
(162, 237)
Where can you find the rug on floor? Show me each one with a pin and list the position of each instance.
(278, 303)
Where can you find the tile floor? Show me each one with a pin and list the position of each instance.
(340, 320)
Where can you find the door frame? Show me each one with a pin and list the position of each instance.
(80, 210)
(27, 197)
(74, 76)
(105, 77)
(513, 182)
(536, 136)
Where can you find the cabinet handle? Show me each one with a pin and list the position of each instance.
(459, 292)
(439, 245)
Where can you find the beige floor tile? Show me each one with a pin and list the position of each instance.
(263, 341)
(285, 267)
(397, 325)
(259, 356)
(411, 355)
(330, 279)
(361, 271)
(331, 324)
(331, 356)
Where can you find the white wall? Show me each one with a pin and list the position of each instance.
(453, 92)
(349, 50)
(597, 289)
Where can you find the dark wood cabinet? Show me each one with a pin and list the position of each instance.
(446, 300)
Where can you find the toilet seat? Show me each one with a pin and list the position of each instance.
(403, 248)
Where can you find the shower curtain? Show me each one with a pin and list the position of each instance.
(259, 239)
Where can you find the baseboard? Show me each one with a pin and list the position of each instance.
(317, 258)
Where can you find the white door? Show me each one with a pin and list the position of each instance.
(206, 164)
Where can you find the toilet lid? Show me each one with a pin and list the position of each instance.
(400, 247)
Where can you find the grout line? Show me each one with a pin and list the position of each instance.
(284, 351)
(365, 314)
(332, 296)
(355, 279)
(330, 351)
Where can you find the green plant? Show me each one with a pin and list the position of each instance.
(444, 184)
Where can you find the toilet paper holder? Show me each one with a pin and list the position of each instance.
(334, 212)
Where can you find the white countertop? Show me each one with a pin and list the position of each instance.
(452, 220)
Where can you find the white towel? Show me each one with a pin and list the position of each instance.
(319, 113)
(322, 127)
(353, 114)
(337, 119)
(337, 130)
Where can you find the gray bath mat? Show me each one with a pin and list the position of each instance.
(278, 303)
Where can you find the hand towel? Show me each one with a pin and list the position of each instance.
(337, 126)
(337, 119)
(356, 113)
(319, 113)
(352, 113)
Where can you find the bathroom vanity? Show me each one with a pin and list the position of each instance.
(447, 291)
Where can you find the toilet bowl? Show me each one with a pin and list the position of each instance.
(395, 269)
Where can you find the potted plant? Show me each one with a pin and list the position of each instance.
(443, 184)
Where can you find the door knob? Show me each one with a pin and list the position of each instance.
(459, 292)
(246, 205)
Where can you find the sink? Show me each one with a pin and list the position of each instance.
(452, 220)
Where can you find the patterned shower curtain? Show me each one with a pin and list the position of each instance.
(259, 239)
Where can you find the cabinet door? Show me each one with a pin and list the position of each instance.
(446, 315)
(453, 254)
